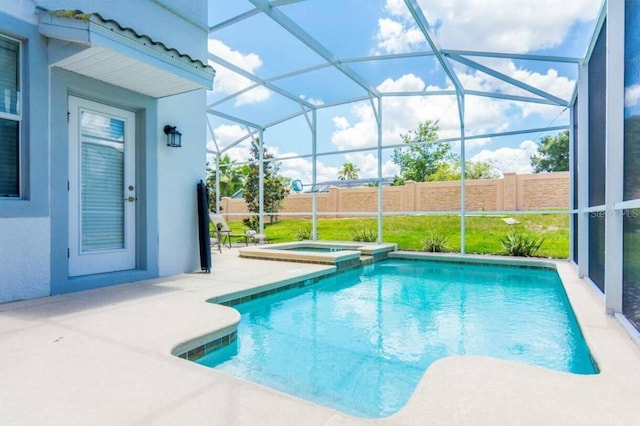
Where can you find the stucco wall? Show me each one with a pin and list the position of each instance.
(25, 265)
(34, 230)
(21, 9)
(24, 222)
(179, 171)
(513, 192)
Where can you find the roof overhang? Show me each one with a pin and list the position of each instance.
(90, 45)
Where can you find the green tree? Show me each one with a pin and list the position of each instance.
(480, 170)
(349, 171)
(553, 154)
(434, 161)
(632, 162)
(275, 186)
(425, 155)
(232, 177)
(473, 170)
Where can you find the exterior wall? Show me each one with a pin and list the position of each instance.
(24, 258)
(22, 10)
(178, 174)
(63, 84)
(24, 223)
(513, 192)
(34, 230)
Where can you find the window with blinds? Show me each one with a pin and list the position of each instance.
(9, 117)
(102, 174)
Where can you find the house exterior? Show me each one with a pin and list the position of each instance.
(90, 193)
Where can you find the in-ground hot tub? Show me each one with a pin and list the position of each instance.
(339, 253)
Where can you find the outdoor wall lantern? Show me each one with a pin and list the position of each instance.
(174, 137)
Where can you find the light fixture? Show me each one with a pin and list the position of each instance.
(174, 137)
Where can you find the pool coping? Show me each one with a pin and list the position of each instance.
(347, 257)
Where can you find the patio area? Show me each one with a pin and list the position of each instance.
(105, 357)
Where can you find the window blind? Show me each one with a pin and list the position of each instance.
(102, 177)
(10, 120)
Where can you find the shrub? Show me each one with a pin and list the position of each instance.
(364, 235)
(303, 233)
(435, 243)
(252, 222)
(520, 245)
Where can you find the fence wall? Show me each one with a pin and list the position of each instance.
(513, 192)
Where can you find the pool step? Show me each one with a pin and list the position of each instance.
(366, 259)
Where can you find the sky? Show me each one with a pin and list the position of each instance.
(351, 30)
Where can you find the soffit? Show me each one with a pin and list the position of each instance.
(102, 49)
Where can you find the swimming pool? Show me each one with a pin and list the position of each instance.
(360, 341)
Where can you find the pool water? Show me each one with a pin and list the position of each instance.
(318, 249)
(361, 340)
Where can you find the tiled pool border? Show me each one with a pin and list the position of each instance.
(218, 343)
(525, 263)
(202, 350)
(349, 255)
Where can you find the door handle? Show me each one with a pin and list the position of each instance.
(130, 199)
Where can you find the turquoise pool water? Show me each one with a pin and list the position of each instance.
(360, 341)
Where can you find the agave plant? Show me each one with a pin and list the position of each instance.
(517, 244)
(364, 235)
(303, 233)
(435, 243)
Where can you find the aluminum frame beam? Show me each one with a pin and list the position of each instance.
(423, 25)
(256, 79)
(248, 14)
(510, 80)
(298, 32)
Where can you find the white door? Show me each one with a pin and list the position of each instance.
(102, 188)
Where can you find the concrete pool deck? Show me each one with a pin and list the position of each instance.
(104, 357)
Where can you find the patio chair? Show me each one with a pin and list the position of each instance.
(224, 232)
(257, 238)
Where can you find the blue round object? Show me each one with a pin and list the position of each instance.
(296, 185)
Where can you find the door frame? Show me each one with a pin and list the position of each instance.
(112, 260)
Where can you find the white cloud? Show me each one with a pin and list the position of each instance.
(472, 144)
(512, 26)
(632, 95)
(300, 168)
(367, 162)
(509, 160)
(225, 135)
(549, 82)
(394, 37)
(492, 25)
(312, 101)
(401, 114)
(228, 82)
(340, 122)
(406, 83)
(397, 8)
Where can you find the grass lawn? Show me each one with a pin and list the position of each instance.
(408, 232)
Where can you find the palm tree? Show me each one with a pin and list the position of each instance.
(349, 171)
(232, 177)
